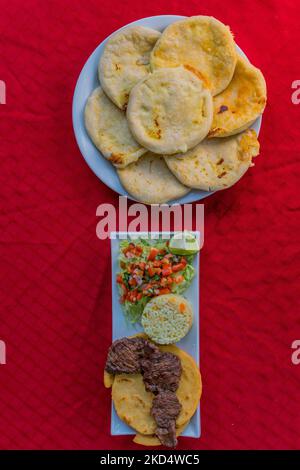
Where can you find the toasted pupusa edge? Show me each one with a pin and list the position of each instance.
(219, 132)
(247, 104)
(199, 168)
(108, 379)
(117, 73)
(100, 114)
(152, 440)
(165, 125)
(218, 80)
(137, 181)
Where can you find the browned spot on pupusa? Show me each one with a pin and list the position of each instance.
(220, 161)
(198, 74)
(222, 174)
(222, 109)
(262, 100)
(116, 158)
(214, 131)
(118, 67)
(156, 133)
(126, 98)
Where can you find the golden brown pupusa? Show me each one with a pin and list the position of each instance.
(240, 104)
(149, 180)
(170, 111)
(201, 42)
(215, 164)
(108, 128)
(125, 61)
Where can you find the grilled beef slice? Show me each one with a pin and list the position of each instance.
(165, 410)
(124, 355)
(161, 371)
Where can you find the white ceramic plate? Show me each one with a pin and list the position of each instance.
(120, 328)
(87, 82)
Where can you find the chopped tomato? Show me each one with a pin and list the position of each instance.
(167, 271)
(165, 290)
(128, 248)
(132, 296)
(146, 287)
(178, 279)
(152, 254)
(178, 267)
(119, 279)
(132, 250)
(151, 271)
(166, 281)
(142, 265)
(157, 263)
(132, 282)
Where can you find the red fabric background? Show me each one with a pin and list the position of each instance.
(55, 274)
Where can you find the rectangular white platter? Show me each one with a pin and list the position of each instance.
(121, 327)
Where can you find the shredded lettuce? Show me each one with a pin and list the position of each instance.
(188, 273)
(125, 243)
(133, 311)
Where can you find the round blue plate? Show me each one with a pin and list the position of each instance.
(86, 83)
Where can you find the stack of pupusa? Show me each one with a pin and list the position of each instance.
(174, 109)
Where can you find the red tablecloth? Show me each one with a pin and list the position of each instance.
(55, 274)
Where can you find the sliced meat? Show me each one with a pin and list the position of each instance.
(165, 410)
(161, 371)
(125, 355)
